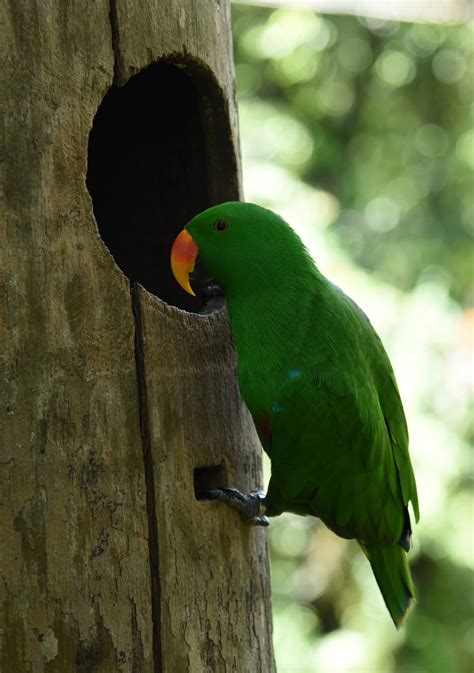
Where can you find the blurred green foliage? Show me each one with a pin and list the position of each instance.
(359, 132)
(377, 113)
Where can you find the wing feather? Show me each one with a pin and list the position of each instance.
(332, 450)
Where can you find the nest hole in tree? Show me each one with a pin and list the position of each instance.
(208, 478)
(160, 151)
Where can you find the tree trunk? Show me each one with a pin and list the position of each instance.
(118, 405)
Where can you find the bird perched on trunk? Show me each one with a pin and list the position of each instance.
(319, 385)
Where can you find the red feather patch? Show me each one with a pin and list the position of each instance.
(264, 427)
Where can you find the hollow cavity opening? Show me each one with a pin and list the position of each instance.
(207, 479)
(160, 151)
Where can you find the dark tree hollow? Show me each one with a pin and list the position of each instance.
(159, 153)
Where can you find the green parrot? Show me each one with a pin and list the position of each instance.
(319, 385)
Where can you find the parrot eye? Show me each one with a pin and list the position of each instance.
(220, 225)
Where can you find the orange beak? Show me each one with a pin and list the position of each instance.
(183, 258)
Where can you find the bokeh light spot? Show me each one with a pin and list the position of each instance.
(286, 29)
(431, 140)
(421, 40)
(395, 68)
(382, 214)
(336, 98)
(465, 148)
(354, 54)
(449, 65)
(300, 66)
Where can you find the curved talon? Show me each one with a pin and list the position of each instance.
(260, 494)
(261, 521)
(251, 507)
(215, 494)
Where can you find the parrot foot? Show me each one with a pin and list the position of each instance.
(251, 507)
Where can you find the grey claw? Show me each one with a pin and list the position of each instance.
(211, 495)
(261, 521)
(258, 494)
(251, 507)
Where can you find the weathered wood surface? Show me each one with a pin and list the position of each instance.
(195, 29)
(107, 561)
(196, 419)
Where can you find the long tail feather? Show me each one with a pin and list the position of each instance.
(391, 570)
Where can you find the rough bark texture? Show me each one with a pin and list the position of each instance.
(111, 398)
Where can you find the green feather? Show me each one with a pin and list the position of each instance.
(390, 567)
(312, 367)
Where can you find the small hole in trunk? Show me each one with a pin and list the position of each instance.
(207, 479)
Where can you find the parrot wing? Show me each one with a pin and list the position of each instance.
(336, 455)
(397, 428)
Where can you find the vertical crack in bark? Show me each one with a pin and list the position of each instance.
(114, 25)
(149, 480)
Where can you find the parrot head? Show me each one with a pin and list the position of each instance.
(235, 242)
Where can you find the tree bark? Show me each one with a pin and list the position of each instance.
(115, 404)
